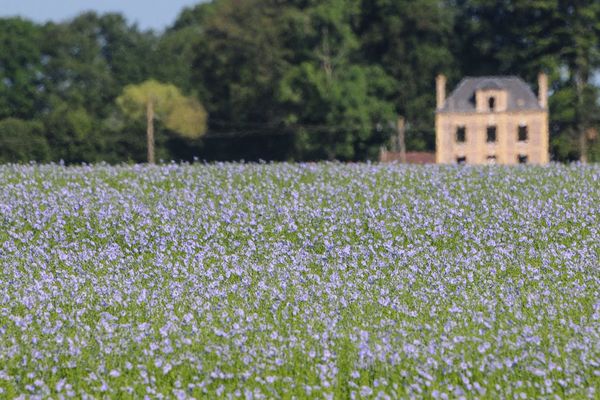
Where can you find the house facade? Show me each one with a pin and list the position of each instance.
(492, 120)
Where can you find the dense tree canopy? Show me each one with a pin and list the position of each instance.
(289, 79)
(20, 67)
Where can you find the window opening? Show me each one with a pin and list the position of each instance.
(461, 134)
(522, 159)
(491, 134)
(522, 133)
(492, 103)
(461, 160)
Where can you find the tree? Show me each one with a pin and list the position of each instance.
(336, 102)
(578, 36)
(20, 68)
(243, 50)
(240, 59)
(22, 141)
(73, 134)
(178, 47)
(181, 114)
(291, 69)
(178, 44)
(88, 60)
(337, 116)
(411, 40)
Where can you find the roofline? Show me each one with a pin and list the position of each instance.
(492, 77)
(466, 78)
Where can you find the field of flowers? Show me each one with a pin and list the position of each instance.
(299, 281)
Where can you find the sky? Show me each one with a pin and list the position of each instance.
(148, 14)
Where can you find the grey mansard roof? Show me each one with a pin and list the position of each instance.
(520, 95)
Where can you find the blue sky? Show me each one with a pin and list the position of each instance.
(148, 14)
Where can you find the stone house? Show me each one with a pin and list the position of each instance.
(492, 120)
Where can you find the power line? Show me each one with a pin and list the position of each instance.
(267, 131)
(257, 129)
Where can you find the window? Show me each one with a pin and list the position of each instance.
(491, 159)
(491, 134)
(461, 160)
(522, 136)
(522, 159)
(461, 134)
(492, 103)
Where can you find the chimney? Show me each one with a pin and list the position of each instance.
(543, 90)
(440, 89)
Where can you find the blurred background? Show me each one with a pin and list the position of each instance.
(287, 80)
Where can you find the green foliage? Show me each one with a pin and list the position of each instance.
(20, 66)
(338, 113)
(22, 141)
(177, 47)
(412, 41)
(72, 133)
(89, 60)
(187, 117)
(183, 115)
(336, 103)
(239, 60)
(562, 131)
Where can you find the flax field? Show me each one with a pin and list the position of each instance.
(299, 281)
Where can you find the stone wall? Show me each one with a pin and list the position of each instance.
(506, 149)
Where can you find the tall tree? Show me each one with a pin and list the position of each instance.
(337, 114)
(181, 114)
(178, 45)
(337, 103)
(411, 40)
(86, 63)
(264, 63)
(240, 59)
(89, 59)
(579, 38)
(22, 141)
(20, 68)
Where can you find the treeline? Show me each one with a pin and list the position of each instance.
(290, 79)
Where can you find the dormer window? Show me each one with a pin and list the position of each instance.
(490, 99)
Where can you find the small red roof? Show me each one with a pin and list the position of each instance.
(412, 157)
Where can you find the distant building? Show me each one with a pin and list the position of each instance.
(492, 120)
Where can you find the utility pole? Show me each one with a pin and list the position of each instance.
(581, 131)
(400, 139)
(150, 130)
